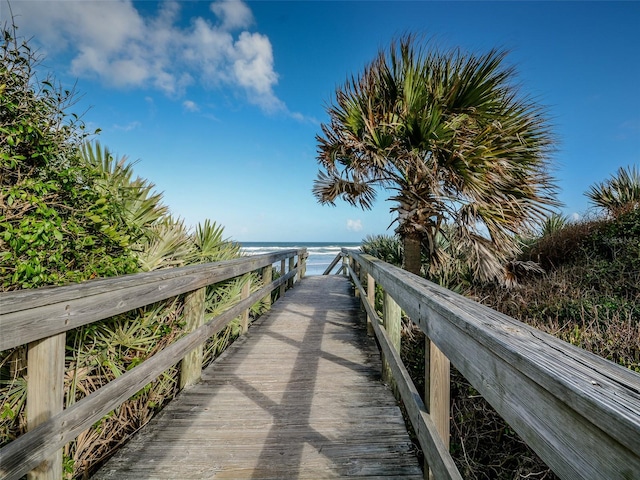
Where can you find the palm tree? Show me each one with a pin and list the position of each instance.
(141, 205)
(618, 194)
(451, 139)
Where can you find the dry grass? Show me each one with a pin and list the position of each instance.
(589, 297)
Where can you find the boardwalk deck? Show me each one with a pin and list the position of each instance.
(299, 396)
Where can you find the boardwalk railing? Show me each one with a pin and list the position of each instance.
(578, 411)
(39, 318)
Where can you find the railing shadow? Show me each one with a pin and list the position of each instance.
(293, 418)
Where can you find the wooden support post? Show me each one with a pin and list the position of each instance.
(291, 267)
(191, 365)
(437, 368)
(345, 263)
(371, 297)
(302, 259)
(246, 290)
(356, 291)
(45, 395)
(283, 287)
(391, 318)
(267, 277)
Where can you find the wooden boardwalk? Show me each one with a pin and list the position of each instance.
(298, 397)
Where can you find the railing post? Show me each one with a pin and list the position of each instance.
(345, 263)
(45, 395)
(391, 318)
(291, 267)
(437, 368)
(371, 297)
(246, 290)
(191, 365)
(267, 277)
(356, 272)
(283, 287)
(302, 259)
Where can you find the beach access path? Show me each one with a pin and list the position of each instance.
(298, 397)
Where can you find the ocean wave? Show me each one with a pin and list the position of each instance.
(320, 254)
(311, 250)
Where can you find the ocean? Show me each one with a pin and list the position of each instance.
(321, 254)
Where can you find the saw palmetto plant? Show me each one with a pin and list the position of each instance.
(618, 194)
(449, 138)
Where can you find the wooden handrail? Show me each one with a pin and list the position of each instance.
(333, 263)
(578, 411)
(68, 307)
(72, 306)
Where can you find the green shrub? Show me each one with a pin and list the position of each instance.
(71, 211)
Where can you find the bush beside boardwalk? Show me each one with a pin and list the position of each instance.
(72, 211)
(588, 295)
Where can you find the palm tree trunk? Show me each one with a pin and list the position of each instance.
(412, 247)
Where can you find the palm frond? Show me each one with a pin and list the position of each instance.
(619, 193)
(450, 134)
(168, 245)
(210, 245)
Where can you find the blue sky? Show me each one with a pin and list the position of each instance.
(220, 102)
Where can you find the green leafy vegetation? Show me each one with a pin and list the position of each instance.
(463, 153)
(588, 295)
(56, 227)
(619, 193)
(71, 210)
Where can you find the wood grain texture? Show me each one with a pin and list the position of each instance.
(246, 290)
(371, 298)
(579, 412)
(72, 306)
(333, 263)
(39, 444)
(440, 392)
(45, 395)
(191, 364)
(391, 319)
(437, 456)
(299, 396)
(267, 277)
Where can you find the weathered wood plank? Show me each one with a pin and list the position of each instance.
(391, 319)
(45, 395)
(371, 298)
(246, 290)
(298, 396)
(291, 267)
(439, 374)
(34, 447)
(435, 451)
(191, 364)
(333, 263)
(72, 306)
(267, 276)
(579, 412)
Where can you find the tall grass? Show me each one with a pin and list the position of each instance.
(588, 295)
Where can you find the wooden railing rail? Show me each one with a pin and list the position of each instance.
(578, 411)
(38, 316)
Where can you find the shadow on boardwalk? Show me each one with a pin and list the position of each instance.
(298, 397)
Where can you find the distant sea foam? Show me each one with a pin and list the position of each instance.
(321, 254)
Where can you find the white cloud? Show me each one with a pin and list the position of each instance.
(128, 127)
(354, 225)
(304, 119)
(233, 13)
(253, 68)
(190, 106)
(113, 42)
(575, 217)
